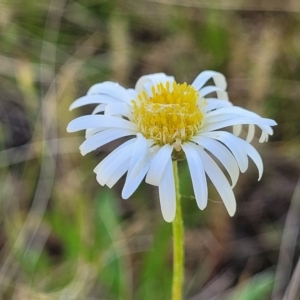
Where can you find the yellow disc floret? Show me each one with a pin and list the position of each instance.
(170, 116)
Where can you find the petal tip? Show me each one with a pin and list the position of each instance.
(83, 152)
(69, 127)
(201, 205)
(169, 218)
(125, 195)
(231, 210)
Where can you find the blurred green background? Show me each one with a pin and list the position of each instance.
(62, 236)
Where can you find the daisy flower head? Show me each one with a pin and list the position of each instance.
(166, 121)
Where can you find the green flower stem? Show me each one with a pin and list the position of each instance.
(178, 249)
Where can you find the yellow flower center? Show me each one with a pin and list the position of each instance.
(170, 116)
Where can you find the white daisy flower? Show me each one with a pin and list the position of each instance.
(167, 121)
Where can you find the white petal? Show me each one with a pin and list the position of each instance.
(158, 165)
(202, 78)
(99, 139)
(105, 163)
(138, 167)
(253, 154)
(197, 174)
(231, 113)
(167, 193)
(91, 131)
(132, 92)
(139, 149)
(147, 81)
(216, 122)
(114, 170)
(118, 174)
(100, 121)
(99, 108)
(117, 109)
(214, 103)
(229, 141)
(210, 89)
(264, 124)
(219, 181)
(222, 154)
(234, 110)
(251, 133)
(92, 99)
(263, 137)
(110, 164)
(113, 177)
(134, 178)
(111, 89)
(237, 129)
(228, 113)
(98, 88)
